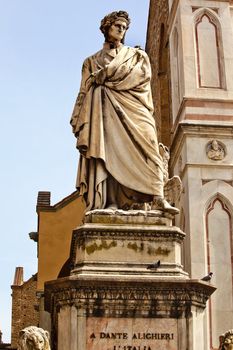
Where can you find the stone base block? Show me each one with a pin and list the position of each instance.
(123, 315)
(114, 299)
(126, 243)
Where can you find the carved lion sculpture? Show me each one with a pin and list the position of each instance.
(33, 338)
(226, 340)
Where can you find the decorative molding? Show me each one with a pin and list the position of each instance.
(126, 233)
(127, 299)
(226, 167)
(215, 9)
(205, 181)
(202, 103)
(117, 299)
(209, 117)
(208, 103)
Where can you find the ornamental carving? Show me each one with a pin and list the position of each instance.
(226, 340)
(81, 234)
(215, 150)
(127, 299)
(33, 338)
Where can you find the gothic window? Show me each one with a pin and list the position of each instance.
(219, 261)
(209, 51)
(165, 121)
(176, 73)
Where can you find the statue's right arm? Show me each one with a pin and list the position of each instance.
(87, 80)
(84, 87)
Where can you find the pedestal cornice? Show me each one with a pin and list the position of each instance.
(127, 298)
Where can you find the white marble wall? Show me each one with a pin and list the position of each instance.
(219, 233)
(205, 108)
(207, 213)
(184, 22)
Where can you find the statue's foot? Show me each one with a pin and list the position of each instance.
(160, 203)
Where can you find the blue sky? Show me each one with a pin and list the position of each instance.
(43, 44)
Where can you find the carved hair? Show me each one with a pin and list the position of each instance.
(33, 338)
(226, 340)
(109, 19)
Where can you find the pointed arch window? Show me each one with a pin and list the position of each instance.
(209, 52)
(165, 122)
(176, 73)
(219, 261)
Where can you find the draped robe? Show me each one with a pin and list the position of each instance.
(115, 128)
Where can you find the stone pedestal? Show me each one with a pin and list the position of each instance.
(113, 301)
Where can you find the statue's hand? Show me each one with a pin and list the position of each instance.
(99, 76)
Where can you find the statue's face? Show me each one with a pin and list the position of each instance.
(215, 145)
(39, 343)
(117, 30)
(228, 343)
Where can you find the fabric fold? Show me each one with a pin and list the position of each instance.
(115, 127)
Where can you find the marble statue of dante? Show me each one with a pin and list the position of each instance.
(114, 125)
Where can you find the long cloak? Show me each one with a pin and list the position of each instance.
(115, 128)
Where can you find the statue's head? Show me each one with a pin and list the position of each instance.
(33, 338)
(226, 340)
(215, 145)
(110, 19)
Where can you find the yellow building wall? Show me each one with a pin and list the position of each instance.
(55, 227)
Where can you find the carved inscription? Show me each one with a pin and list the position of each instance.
(131, 334)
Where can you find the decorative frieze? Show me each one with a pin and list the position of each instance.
(118, 299)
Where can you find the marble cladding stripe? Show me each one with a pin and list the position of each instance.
(207, 110)
(211, 117)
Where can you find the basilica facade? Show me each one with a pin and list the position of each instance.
(190, 47)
